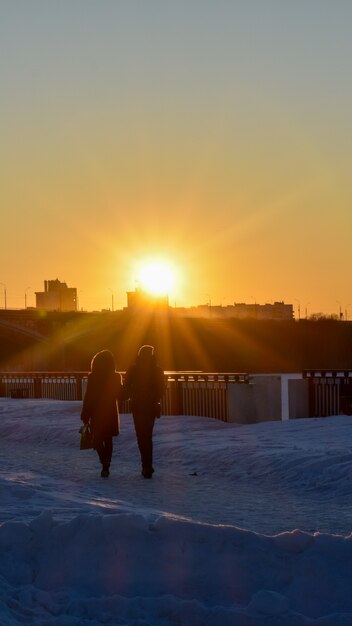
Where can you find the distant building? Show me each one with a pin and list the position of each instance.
(275, 311)
(56, 297)
(241, 310)
(140, 300)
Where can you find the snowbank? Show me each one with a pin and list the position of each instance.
(76, 549)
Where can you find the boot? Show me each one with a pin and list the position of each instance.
(105, 471)
(147, 471)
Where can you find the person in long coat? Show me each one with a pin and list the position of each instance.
(100, 406)
(144, 385)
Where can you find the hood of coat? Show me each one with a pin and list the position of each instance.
(103, 363)
(146, 353)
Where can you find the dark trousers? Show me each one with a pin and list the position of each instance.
(103, 447)
(144, 424)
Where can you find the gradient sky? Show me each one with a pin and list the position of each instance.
(216, 134)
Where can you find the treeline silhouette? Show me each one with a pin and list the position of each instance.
(216, 345)
(221, 345)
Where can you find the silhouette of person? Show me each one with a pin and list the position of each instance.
(100, 406)
(144, 386)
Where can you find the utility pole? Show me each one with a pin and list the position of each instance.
(299, 308)
(5, 303)
(25, 297)
(112, 299)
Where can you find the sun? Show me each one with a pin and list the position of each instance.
(156, 276)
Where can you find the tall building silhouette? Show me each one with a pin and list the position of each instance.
(56, 297)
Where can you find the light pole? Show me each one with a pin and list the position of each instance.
(25, 297)
(307, 310)
(346, 312)
(112, 299)
(299, 308)
(5, 303)
(340, 310)
(208, 302)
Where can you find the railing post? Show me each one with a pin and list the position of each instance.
(38, 387)
(78, 387)
(312, 395)
(176, 404)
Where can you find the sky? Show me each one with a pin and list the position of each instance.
(214, 135)
(247, 525)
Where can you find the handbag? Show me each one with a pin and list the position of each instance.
(86, 440)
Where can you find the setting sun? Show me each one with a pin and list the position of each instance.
(158, 277)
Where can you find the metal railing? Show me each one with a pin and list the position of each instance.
(187, 393)
(330, 392)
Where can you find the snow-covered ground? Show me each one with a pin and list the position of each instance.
(241, 525)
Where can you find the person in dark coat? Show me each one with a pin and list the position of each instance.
(144, 386)
(100, 406)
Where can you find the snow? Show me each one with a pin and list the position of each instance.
(240, 526)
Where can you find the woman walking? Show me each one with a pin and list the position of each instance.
(100, 406)
(144, 385)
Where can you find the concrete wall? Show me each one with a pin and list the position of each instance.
(268, 398)
(298, 398)
(259, 401)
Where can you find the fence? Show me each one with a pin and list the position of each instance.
(193, 393)
(55, 386)
(204, 394)
(187, 393)
(330, 392)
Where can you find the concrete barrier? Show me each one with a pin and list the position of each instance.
(268, 398)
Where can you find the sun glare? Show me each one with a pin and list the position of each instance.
(157, 277)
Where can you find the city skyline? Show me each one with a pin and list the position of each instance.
(147, 293)
(216, 136)
(116, 299)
